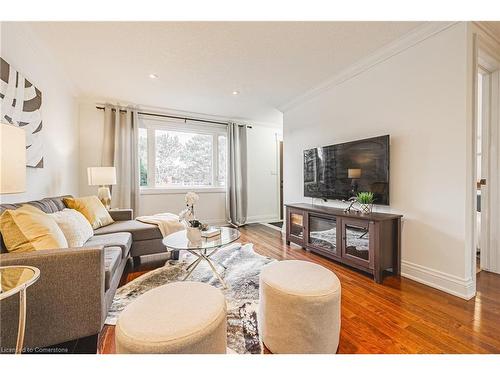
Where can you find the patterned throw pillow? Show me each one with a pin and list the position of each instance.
(75, 227)
(29, 228)
(92, 208)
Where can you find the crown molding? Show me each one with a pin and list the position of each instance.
(176, 112)
(487, 30)
(412, 38)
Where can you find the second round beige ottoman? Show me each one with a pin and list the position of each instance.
(181, 317)
(299, 308)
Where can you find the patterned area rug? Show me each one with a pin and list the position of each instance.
(242, 295)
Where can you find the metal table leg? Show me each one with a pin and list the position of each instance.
(215, 271)
(202, 255)
(22, 321)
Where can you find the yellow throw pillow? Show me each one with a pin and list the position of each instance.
(93, 210)
(29, 228)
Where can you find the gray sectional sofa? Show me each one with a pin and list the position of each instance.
(67, 306)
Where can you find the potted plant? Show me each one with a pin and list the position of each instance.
(365, 200)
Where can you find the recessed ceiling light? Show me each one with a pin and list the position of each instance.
(153, 76)
(236, 92)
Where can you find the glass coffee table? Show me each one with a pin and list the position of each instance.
(14, 280)
(203, 249)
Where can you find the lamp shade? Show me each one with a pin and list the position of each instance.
(353, 173)
(101, 176)
(13, 163)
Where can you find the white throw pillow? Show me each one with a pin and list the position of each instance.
(75, 227)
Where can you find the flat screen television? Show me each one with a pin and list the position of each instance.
(342, 170)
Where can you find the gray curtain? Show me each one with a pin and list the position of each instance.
(121, 129)
(236, 197)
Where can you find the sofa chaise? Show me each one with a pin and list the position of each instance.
(68, 305)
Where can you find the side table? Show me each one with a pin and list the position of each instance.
(13, 280)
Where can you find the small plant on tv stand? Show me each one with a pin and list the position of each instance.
(365, 200)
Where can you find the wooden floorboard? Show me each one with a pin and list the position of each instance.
(398, 316)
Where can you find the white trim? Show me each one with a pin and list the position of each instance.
(274, 227)
(184, 190)
(460, 287)
(261, 219)
(487, 30)
(215, 222)
(408, 40)
(180, 113)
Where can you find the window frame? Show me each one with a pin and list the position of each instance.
(153, 124)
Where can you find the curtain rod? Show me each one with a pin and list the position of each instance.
(175, 117)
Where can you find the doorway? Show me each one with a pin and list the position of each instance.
(281, 179)
(481, 165)
(279, 159)
(487, 138)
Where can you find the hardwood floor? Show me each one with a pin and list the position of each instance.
(399, 316)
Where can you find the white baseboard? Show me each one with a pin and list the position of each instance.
(214, 222)
(273, 227)
(250, 220)
(261, 219)
(460, 287)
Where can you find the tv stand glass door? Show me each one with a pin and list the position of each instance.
(322, 234)
(357, 242)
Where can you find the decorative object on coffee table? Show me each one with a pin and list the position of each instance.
(13, 280)
(203, 249)
(365, 200)
(102, 177)
(187, 215)
(13, 159)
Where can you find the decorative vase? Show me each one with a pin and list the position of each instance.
(366, 208)
(193, 234)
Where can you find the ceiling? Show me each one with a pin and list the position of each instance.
(200, 64)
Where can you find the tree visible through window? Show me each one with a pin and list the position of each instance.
(143, 156)
(182, 158)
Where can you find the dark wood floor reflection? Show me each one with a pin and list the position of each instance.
(399, 316)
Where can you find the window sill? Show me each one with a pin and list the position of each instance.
(198, 190)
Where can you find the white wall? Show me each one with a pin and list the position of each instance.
(263, 174)
(262, 178)
(20, 48)
(418, 97)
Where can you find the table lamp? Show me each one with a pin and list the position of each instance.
(354, 174)
(102, 177)
(13, 162)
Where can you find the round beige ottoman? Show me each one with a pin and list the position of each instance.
(182, 317)
(299, 310)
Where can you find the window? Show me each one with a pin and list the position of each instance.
(176, 155)
(143, 156)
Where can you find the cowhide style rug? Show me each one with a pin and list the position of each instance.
(242, 294)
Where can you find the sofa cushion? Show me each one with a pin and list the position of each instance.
(112, 258)
(47, 205)
(140, 231)
(92, 208)
(121, 240)
(28, 228)
(74, 226)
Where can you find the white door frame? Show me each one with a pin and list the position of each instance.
(488, 60)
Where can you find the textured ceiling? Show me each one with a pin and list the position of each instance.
(200, 64)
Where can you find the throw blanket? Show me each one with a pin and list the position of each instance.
(167, 223)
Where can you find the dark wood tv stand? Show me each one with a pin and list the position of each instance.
(371, 243)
